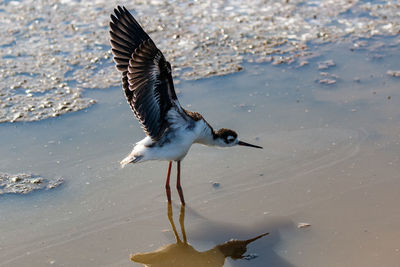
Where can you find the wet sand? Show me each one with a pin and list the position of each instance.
(330, 159)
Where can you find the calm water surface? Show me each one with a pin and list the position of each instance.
(330, 159)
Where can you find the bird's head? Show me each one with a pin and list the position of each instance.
(227, 137)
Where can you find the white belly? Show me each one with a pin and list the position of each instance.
(171, 151)
(174, 145)
(176, 149)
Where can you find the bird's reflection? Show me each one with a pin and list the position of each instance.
(182, 253)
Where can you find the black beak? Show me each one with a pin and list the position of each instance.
(241, 143)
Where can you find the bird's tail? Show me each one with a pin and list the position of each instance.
(130, 159)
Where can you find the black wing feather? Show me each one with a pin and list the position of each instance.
(146, 75)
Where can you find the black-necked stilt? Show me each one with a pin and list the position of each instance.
(149, 89)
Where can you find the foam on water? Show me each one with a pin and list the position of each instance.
(53, 52)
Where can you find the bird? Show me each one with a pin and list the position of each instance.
(149, 89)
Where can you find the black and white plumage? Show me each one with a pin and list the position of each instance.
(149, 89)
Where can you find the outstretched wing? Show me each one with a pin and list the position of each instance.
(146, 75)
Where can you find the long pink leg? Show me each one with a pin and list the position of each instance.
(167, 188)
(178, 183)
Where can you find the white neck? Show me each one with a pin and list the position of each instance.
(204, 134)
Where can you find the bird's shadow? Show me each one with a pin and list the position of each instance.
(182, 253)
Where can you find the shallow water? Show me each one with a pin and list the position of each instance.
(53, 52)
(330, 159)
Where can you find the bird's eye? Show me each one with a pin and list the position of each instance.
(230, 138)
